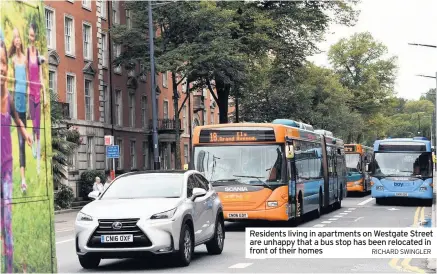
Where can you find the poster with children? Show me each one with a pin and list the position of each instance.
(27, 228)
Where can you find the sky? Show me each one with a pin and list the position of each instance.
(396, 23)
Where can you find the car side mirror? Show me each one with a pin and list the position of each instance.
(94, 194)
(198, 192)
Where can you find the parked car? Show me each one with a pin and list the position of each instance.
(157, 212)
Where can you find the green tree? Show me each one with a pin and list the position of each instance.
(314, 95)
(360, 62)
(172, 21)
(216, 43)
(430, 95)
(64, 142)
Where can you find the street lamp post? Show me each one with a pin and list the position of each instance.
(433, 216)
(153, 87)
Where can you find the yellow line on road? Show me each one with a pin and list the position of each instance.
(405, 266)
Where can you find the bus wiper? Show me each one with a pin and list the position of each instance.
(254, 177)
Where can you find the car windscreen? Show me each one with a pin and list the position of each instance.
(145, 186)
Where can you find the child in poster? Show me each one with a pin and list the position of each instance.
(35, 78)
(8, 112)
(16, 53)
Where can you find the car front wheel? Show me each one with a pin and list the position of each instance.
(186, 246)
(215, 245)
(88, 261)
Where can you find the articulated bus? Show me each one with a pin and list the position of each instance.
(357, 158)
(270, 171)
(27, 209)
(402, 167)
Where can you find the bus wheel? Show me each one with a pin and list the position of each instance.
(378, 201)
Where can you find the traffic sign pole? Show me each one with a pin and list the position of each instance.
(112, 152)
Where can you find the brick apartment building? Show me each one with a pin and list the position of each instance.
(81, 74)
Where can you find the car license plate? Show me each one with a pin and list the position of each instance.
(117, 238)
(401, 194)
(237, 215)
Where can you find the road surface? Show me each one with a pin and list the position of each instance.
(355, 212)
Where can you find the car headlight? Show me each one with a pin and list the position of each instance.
(164, 215)
(83, 217)
(272, 203)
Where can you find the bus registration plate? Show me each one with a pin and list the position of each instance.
(401, 194)
(237, 215)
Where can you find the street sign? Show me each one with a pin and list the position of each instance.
(109, 140)
(113, 152)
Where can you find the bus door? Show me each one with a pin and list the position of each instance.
(332, 171)
(336, 181)
(291, 178)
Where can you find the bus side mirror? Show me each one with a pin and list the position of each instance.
(289, 151)
(367, 168)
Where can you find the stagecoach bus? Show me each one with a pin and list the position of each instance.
(402, 167)
(357, 158)
(270, 171)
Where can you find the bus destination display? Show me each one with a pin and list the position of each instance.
(229, 136)
(349, 148)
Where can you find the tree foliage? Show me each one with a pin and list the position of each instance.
(257, 50)
(64, 142)
(217, 43)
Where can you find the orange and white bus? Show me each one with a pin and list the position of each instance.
(270, 171)
(357, 158)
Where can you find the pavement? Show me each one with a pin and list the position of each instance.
(355, 212)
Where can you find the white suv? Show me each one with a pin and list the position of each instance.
(156, 212)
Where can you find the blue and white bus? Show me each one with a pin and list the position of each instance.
(402, 167)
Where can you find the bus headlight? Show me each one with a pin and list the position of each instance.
(272, 204)
(379, 188)
(422, 188)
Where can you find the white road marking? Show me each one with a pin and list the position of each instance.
(356, 220)
(366, 201)
(352, 208)
(65, 241)
(343, 213)
(241, 265)
(338, 216)
(64, 230)
(326, 222)
(333, 219)
(319, 225)
(348, 211)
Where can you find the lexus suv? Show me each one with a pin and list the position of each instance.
(157, 212)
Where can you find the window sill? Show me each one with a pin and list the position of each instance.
(70, 55)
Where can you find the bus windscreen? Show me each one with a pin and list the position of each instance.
(404, 164)
(253, 164)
